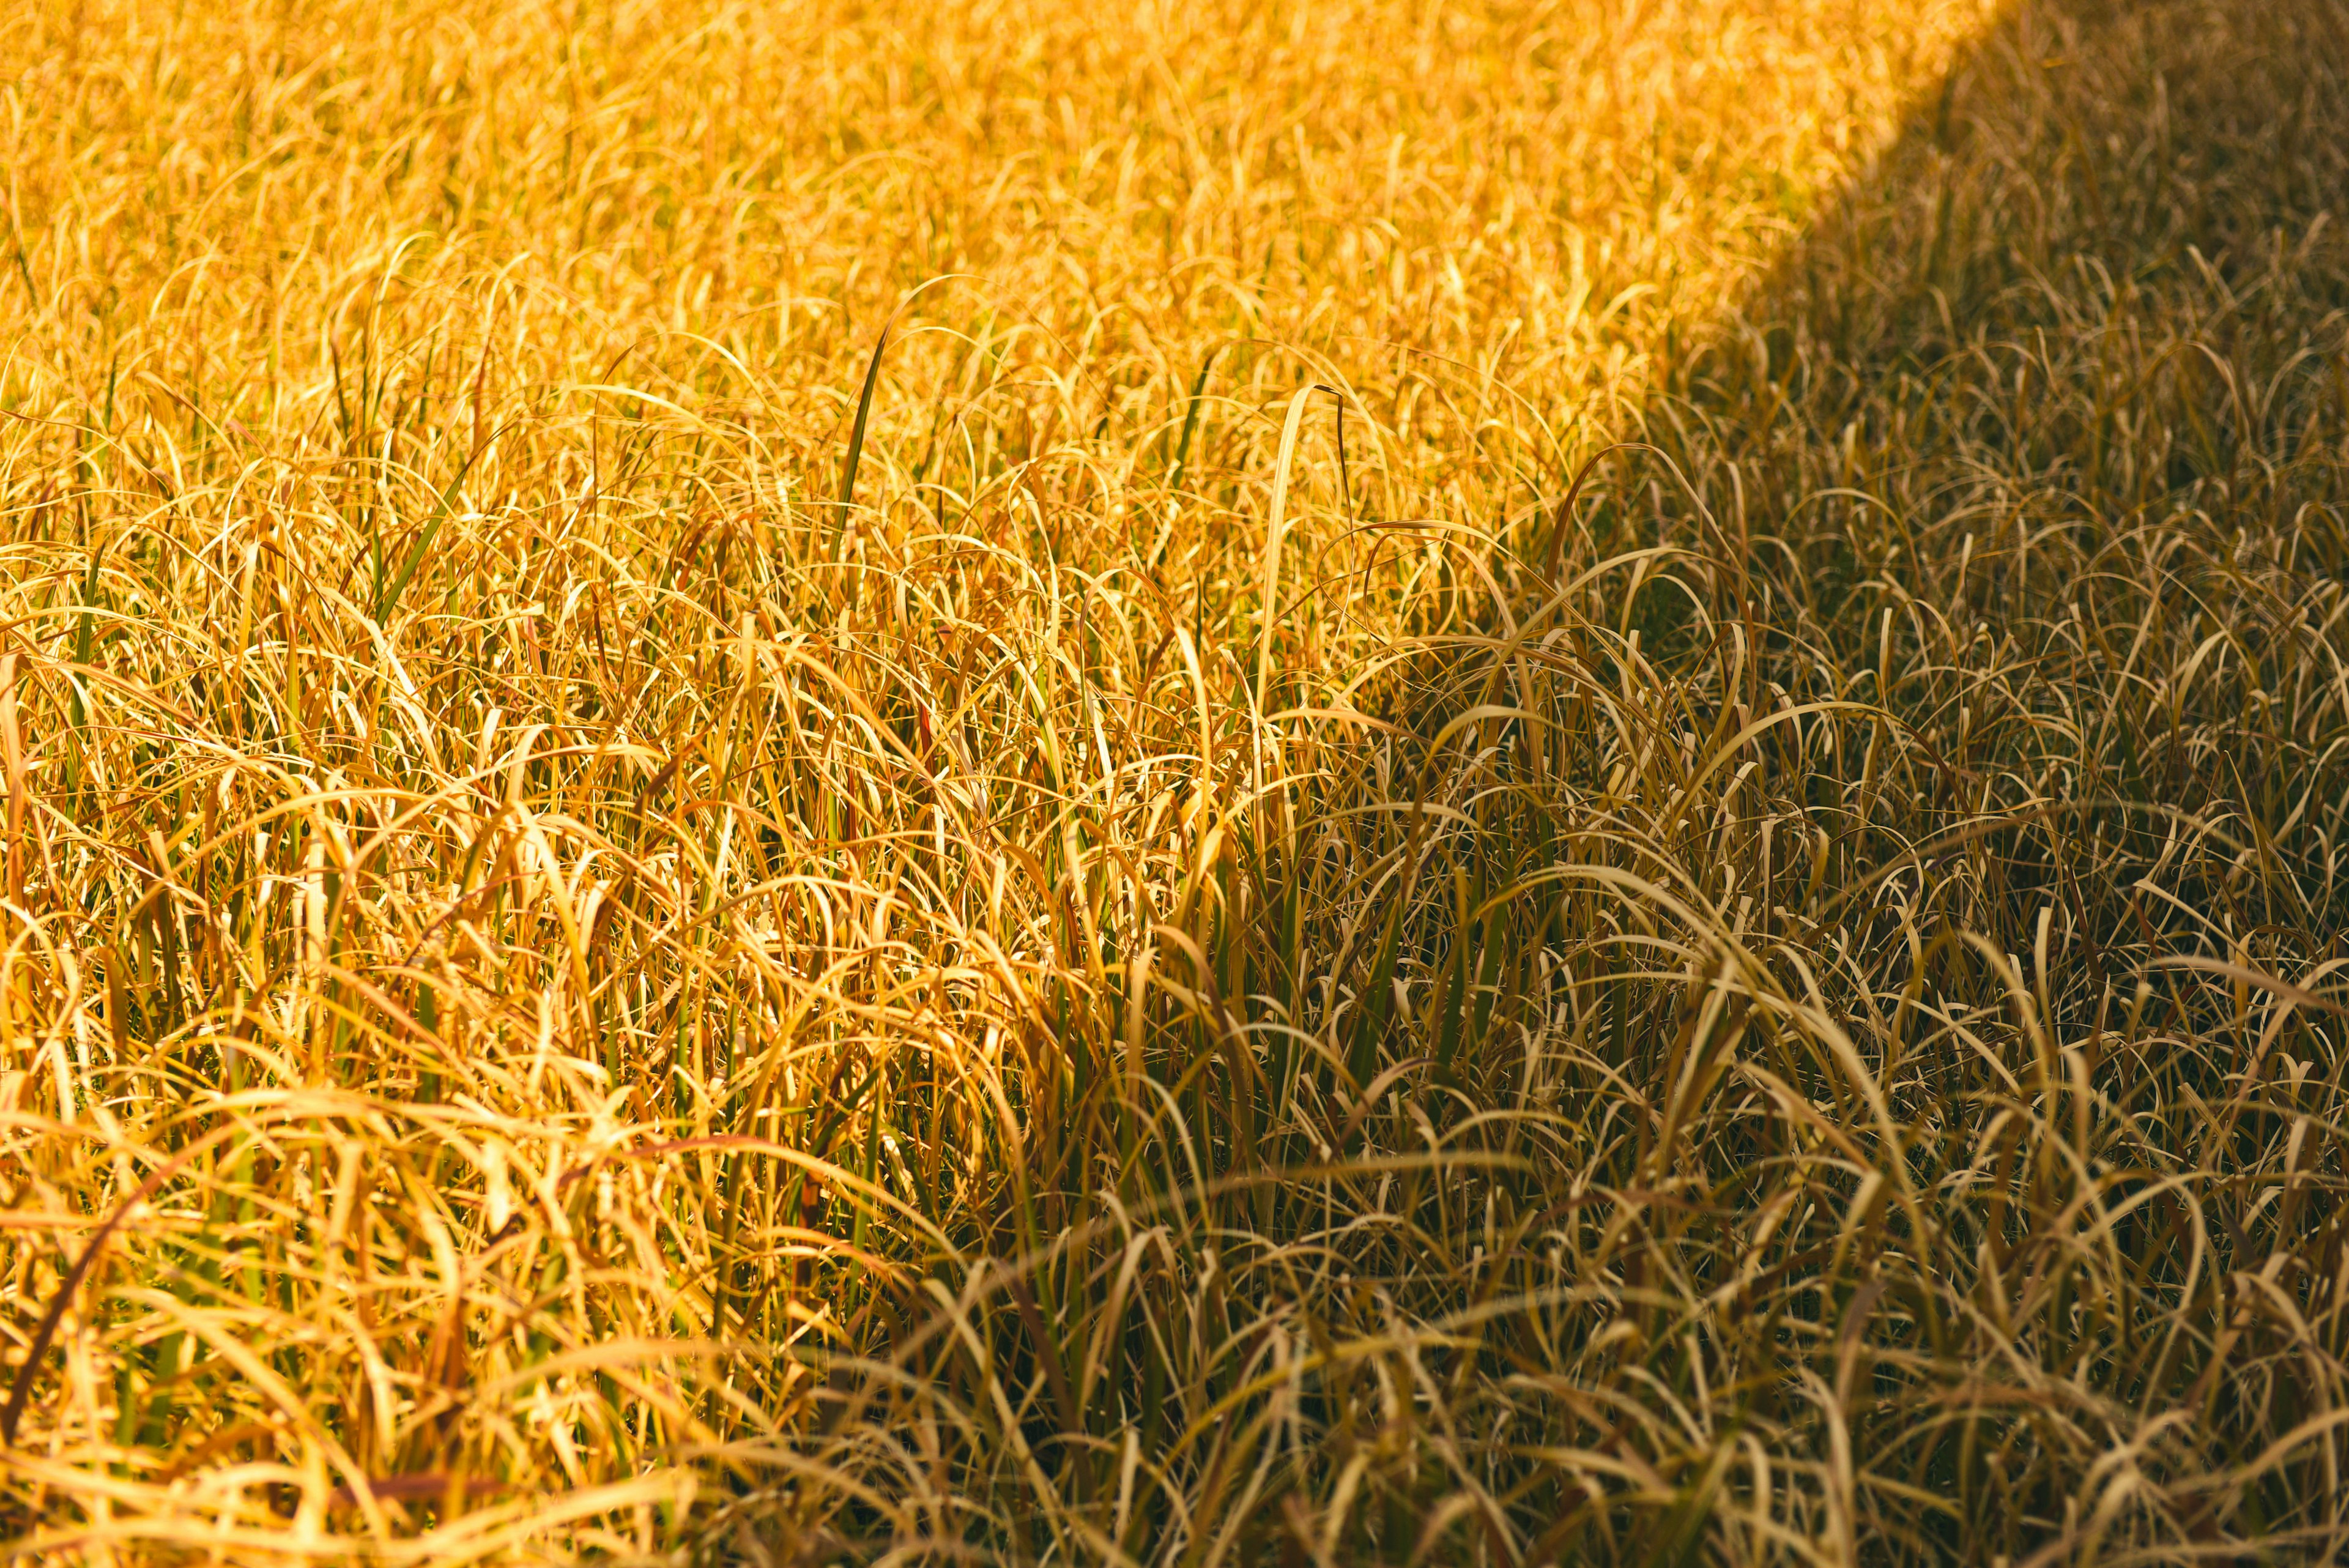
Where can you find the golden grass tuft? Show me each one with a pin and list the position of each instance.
(1212, 783)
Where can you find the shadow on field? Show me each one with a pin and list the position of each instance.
(2034, 447)
(2037, 439)
(2129, 212)
(2123, 141)
(2015, 574)
(2011, 605)
(1691, 1189)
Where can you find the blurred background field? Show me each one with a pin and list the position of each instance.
(1214, 784)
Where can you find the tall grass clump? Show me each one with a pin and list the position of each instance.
(1503, 783)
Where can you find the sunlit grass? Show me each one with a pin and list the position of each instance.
(1515, 784)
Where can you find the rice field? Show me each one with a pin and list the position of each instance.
(1488, 782)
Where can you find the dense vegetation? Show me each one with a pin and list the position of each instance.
(1461, 783)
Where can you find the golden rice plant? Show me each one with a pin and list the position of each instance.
(1508, 783)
